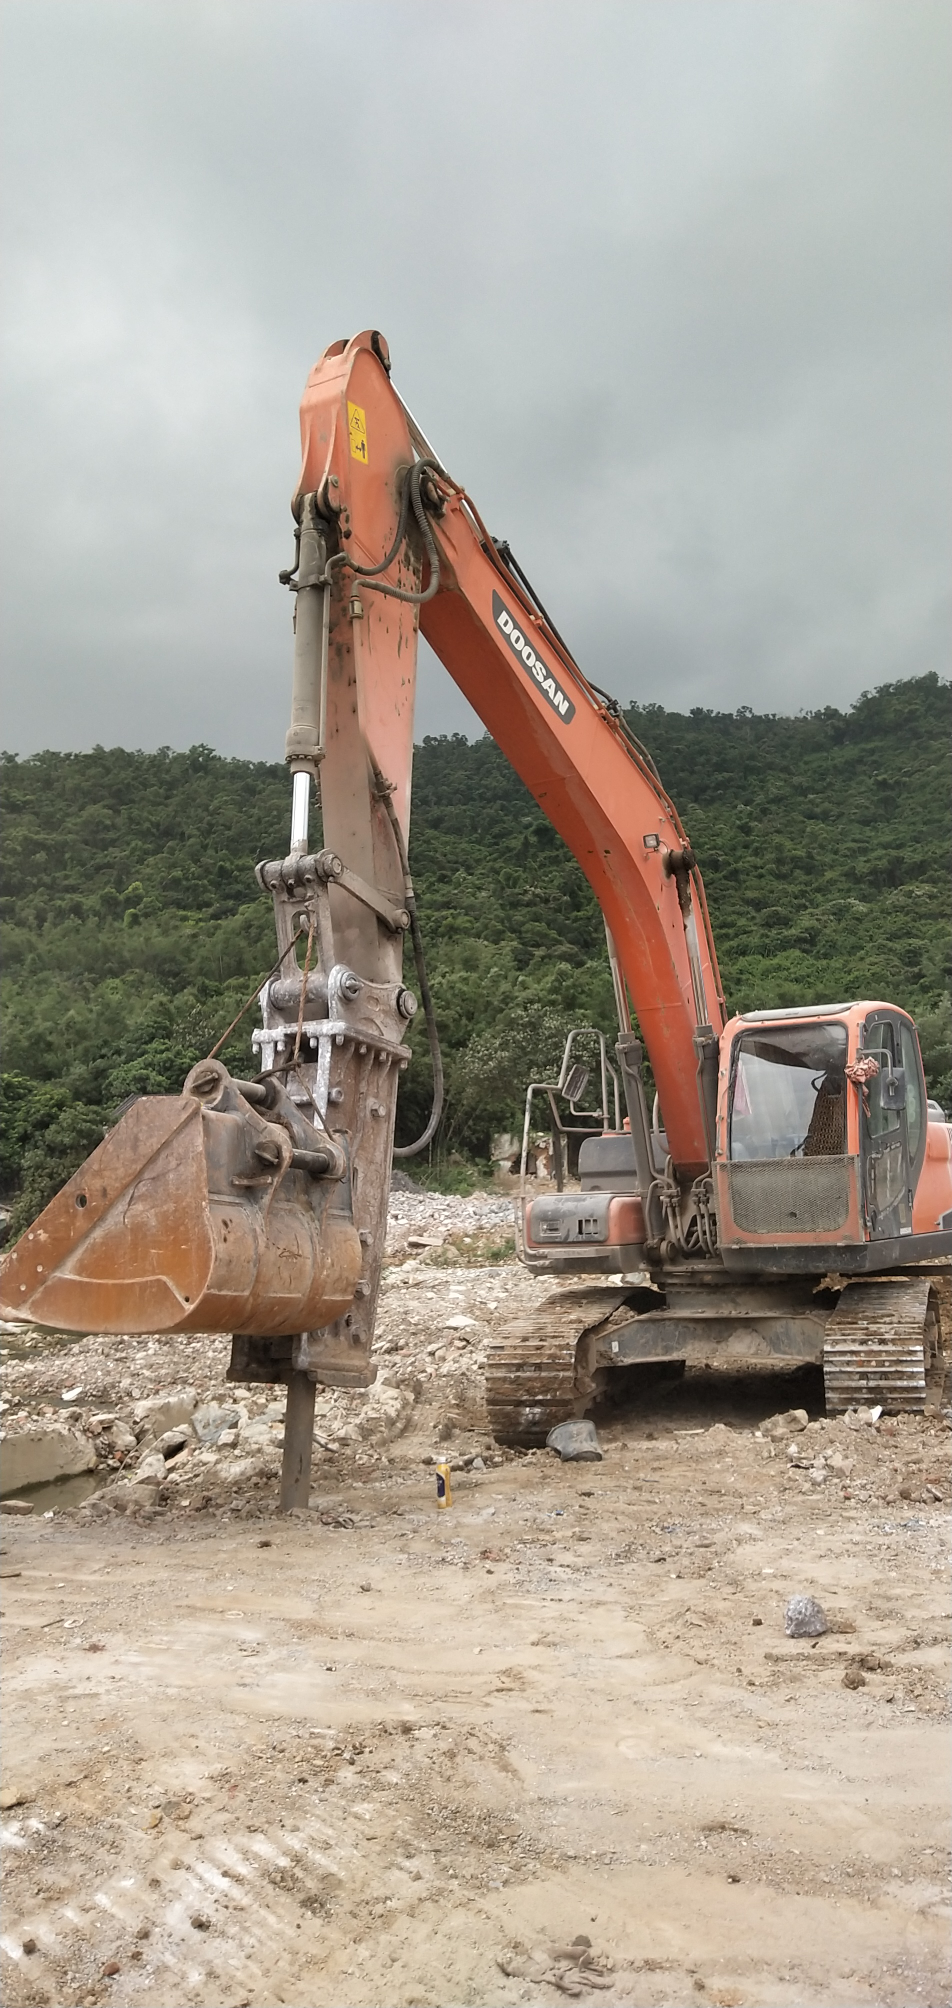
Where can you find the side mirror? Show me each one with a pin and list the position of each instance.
(893, 1089)
(575, 1082)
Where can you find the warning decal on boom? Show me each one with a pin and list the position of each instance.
(357, 427)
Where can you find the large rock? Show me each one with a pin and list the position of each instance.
(383, 1415)
(128, 1498)
(210, 1422)
(164, 1411)
(122, 1439)
(151, 1469)
(36, 1456)
(113, 1438)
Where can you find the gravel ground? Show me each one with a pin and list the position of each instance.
(383, 1754)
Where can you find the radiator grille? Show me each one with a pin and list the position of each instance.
(791, 1195)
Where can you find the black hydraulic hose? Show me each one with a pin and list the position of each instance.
(641, 750)
(371, 571)
(385, 793)
(411, 489)
(505, 552)
(512, 564)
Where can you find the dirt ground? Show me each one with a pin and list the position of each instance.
(382, 1754)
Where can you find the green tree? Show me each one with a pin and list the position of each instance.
(133, 928)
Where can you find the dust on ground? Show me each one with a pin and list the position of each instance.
(551, 1743)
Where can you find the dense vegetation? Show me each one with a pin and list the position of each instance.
(134, 928)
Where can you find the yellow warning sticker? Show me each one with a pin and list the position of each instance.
(357, 427)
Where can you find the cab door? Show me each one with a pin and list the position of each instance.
(887, 1181)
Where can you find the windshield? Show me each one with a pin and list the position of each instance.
(788, 1093)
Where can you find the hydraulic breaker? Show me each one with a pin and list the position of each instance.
(259, 1208)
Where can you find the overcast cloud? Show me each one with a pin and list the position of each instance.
(664, 282)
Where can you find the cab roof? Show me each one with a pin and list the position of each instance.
(817, 1011)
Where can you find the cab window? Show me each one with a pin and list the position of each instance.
(881, 1041)
(788, 1093)
(910, 1061)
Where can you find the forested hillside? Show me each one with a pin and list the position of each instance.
(134, 928)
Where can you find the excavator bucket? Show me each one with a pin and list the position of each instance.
(197, 1212)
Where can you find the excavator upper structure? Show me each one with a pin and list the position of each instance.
(787, 1196)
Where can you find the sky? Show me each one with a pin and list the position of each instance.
(665, 283)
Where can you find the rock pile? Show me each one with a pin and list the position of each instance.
(157, 1424)
(863, 1454)
(157, 1421)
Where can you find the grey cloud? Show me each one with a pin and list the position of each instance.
(664, 282)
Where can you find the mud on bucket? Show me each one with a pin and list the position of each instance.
(576, 1442)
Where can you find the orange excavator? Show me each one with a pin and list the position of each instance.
(789, 1195)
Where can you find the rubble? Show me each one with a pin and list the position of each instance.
(160, 1430)
(420, 1221)
(163, 1412)
(39, 1454)
(128, 1498)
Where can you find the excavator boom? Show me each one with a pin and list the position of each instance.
(569, 747)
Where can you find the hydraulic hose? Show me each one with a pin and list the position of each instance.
(411, 495)
(371, 571)
(385, 795)
(499, 549)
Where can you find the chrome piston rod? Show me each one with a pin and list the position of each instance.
(307, 734)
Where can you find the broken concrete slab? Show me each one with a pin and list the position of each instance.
(162, 1412)
(129, 1497)
(46, 1451)
(210, 1423)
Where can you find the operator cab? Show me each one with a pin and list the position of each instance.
(822, 1132)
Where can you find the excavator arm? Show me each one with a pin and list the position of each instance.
(259, 1207)
(564, 738)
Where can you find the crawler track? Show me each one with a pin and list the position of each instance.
(880, 1343)
(539, 1373)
